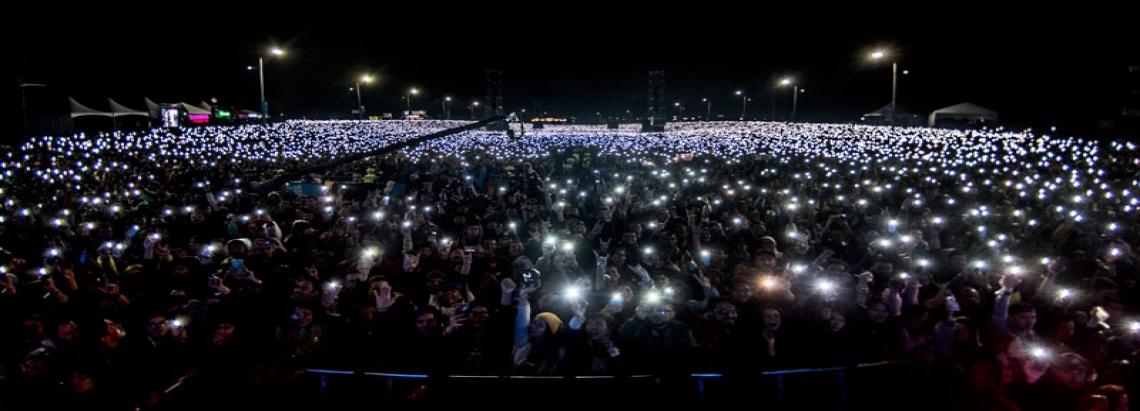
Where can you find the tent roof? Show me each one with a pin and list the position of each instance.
(882, 111)
(193, 109)
(965, 108)
(118, 110)
(79, 110)
(963, 111)
(152, 106)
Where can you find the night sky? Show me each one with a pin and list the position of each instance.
(1033, 73)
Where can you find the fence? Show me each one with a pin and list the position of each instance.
(884, 386)
(896, 385)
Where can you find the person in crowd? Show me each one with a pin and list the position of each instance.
(537, 341)
(589, 346)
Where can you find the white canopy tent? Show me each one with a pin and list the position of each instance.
(962, 114)
(117, 110)
(903, 117)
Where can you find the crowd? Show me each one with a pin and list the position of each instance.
(1003, 260)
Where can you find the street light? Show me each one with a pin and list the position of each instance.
(680, 110)
(472, 108)
(795, 94)
(360, 106)
(743, 104)
(261, 80)
(444, 103)
(879, 54)
(409, 98)
(708, 111)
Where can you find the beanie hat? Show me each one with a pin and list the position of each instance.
(243, 241)
(1019, 308)
(553, 323)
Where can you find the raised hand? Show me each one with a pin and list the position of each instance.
(508, 286)
(702, 279)
(602, 259)
(9, 283)
(383, 297)
(526, 291)
(952, 306)
(1097, 316)
(597, 229)
(1010, 281)
(150, 241)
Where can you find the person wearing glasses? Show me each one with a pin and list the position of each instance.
(657, 343)
(720, 335)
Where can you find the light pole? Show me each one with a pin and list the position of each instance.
(708, 109)
(890, 117)
(261, 80)
(409, 98)
(359, 105)
(444, 103)
(472, 108)
(680, 110)
(795, 94)
(743, 104)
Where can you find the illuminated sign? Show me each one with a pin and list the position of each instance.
(170, 117)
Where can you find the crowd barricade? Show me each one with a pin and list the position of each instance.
(884, 385)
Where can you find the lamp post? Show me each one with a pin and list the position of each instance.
(743, 104)
(261, 80)
(472, 108)
(795, 94)
(680, 110)
(708, 109)
(879, 54)
(409, 98)
(359, 105)
(444, 103)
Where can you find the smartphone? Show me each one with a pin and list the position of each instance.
(239, 265)
(529, 278)
(617, 299)
(462, 308)
(468, 249)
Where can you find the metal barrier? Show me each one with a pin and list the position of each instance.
(832, 388)
(883, 386)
